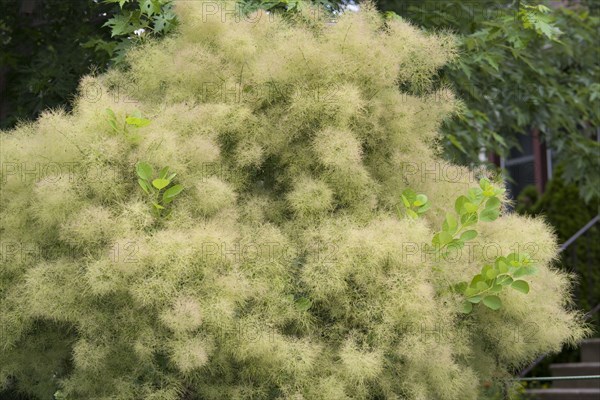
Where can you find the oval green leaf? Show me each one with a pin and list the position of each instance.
(420, 200)
(144, 170)
(171, 193)
(489, 215)
(144, 185)
(137, 122)
(492, 302)
(163, 173)
(160, 183)
(405, 201)
(450, 223)
(468, 235)
(521, 286)
(484, 183)
(466, 307)
(470, 207)
(459, 204)
(444, 238)
(493, 203)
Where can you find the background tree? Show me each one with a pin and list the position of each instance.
(521, 67)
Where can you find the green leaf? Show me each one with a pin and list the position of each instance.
(521, 286)
(405, 201)
(468, 235)
(476, 279)
(158, 206)
(484, 183)
(491, 273)
(120, 25)
(456, 244)
(420, 200)
(474, 299)
(523, 271)
(160, 183)
(303, 304)
(171, 193)
(444, 238)
(113, 125)
(489, 215)
(412, 214)
(496, 288)
(474, 194)
(470, 207)
(423, 208)
(460, 287)
(489, 192)
(468, 219)
(492, 302)
(144, 170)
(150, 7)
(504, 280)
(466, 307)
(410, 196)
(137, 122)
(502, 265)
(144, 185)
(493, 203)
(450, 224)
(459, 204)
(163, 173)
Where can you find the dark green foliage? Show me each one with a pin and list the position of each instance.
(564, 209)
(45, 353)
(521, 67)
(135, 20)
(48, 45)
(44, 53)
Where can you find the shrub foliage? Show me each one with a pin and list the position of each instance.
(283, 269)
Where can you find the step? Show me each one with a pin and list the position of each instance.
(564, 394)
(576, 369)
(590, 350)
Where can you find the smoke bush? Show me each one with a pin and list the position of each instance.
(283, 269)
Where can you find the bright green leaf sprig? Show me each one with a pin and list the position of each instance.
(504, 272)
(159, 189)
(134, 121)
(415, 204)
(480, 204)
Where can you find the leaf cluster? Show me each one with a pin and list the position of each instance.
(480, 204)
(131, 121)
(138, 19)
(158, 188)
(504, 272)
(415, 204)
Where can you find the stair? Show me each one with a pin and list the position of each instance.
(576, 389)
(564, 394)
